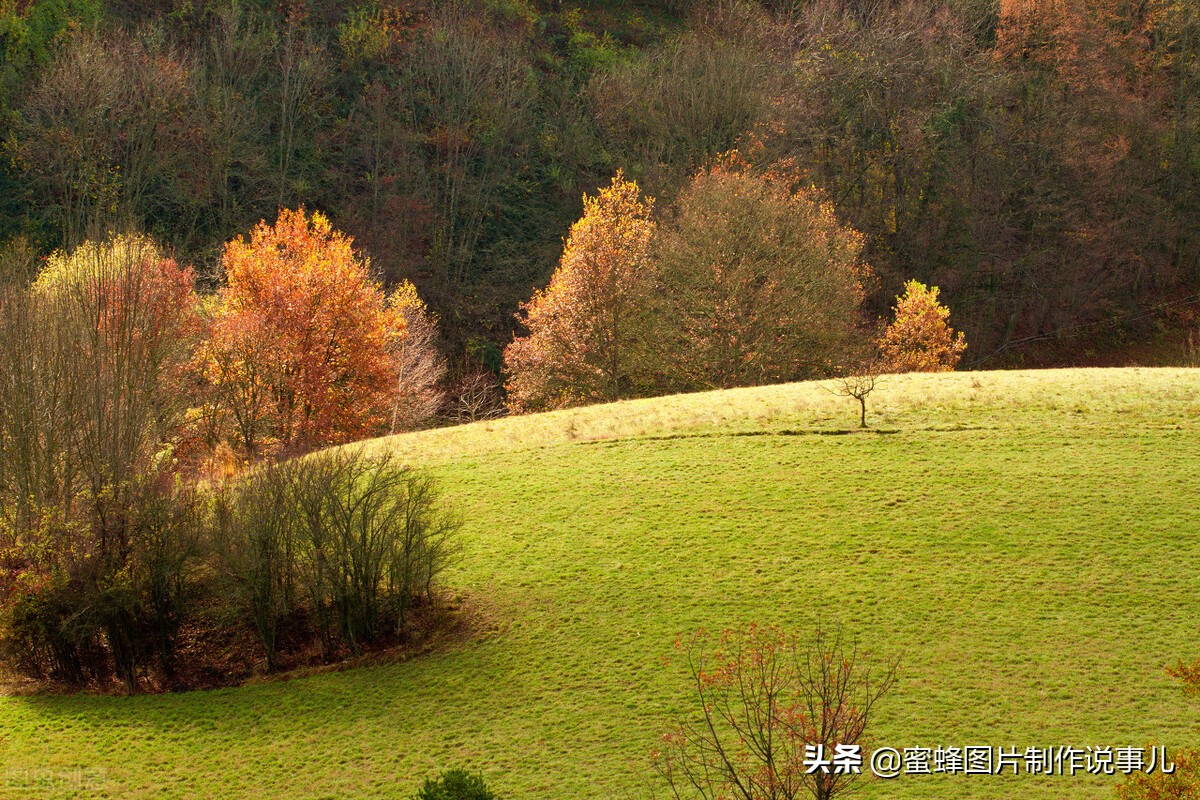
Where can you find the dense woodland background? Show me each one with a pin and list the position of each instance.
(1039, 161)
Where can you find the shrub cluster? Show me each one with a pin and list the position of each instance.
(345, 541)
(455, 784)
(94, 525)
(336, 550)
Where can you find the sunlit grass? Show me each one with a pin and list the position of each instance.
(1029, 543)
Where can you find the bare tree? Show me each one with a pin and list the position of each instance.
(301, 72)
(420, 365)
(470, 90)
(234, 112)
(477, 396)
(18, 262)
(39, 466)
(775, 717)
(858, 386)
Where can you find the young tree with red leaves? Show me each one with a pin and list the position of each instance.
(920, 338)
(582, 327)
(1183, 781)
(774, 716)
(300, 349)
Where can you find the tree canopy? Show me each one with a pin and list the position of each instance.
(1037, 161)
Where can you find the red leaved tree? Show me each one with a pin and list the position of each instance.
(920, 338)
(1183, 781)
(300, 349)
(582, 326)
(775, 717)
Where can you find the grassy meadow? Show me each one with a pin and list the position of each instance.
(1028, 542)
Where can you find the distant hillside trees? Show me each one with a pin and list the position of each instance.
(583, 327)
(106, 137)
(756, 282)
(1037, 161)
(919, 338)
(682, 104)
(470, 89)
(996, 150)
(749, 281)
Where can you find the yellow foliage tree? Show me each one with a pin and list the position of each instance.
(920, 338)
(582, 326)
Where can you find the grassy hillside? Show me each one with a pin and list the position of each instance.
(1027, 540)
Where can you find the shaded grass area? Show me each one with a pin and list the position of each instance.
(1028, 542)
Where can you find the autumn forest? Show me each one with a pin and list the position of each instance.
(1036, 161)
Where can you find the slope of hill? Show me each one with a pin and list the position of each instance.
(1027, 541)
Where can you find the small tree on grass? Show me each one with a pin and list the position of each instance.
(858, 386)
(920, 338)
(767, 707)
(476, 396)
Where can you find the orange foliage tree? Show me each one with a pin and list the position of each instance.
(301, 337)
(920, 338)
(1183, 783)
(582, 326)
(1094, 45)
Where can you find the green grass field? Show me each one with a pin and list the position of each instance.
(1029, 542)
